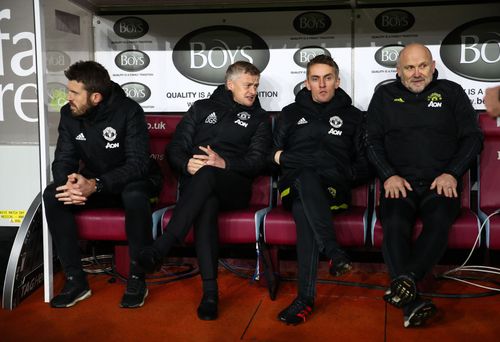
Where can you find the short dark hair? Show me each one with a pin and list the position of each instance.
(323, 59)
(94, 76)
(241, 67)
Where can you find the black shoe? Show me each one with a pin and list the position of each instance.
(207, 310)
(135, 294)
(296, 313)
(403, 291)
(149, 259)
(340, 265)
(75, 289)
(418, 312)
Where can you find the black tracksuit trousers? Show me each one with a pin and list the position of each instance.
(135, 199)
(313, 219)
(201, 198)
(398, 219)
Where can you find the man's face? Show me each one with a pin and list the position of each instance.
(322, 81)
(415, 68)
(79, 99)
(244, 89)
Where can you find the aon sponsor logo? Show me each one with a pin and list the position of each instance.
(435, 104)
(112, 145)
(334, 131)
(241, 123)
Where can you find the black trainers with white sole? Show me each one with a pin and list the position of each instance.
(75, 289)
(135, 293)
(418, 312)
(403, 290)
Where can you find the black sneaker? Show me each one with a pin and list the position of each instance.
(207, 310)
(149, 259)
(403, 290)
(418, 312)
(75, 289)
(135, 294)
(340, 265)
(296, 313)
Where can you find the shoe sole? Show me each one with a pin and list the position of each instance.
(137, 305)
(86, 295)
(420, 315)
(403, 291)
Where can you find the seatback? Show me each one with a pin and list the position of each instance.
(489, 164)
(161, 130)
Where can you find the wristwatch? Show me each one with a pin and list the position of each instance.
(98, 185)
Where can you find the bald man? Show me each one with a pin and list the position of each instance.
(422, 137)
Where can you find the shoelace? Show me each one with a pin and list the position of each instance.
(133, 284)
(301, 308)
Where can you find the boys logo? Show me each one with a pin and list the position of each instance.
(204, 54)
(243, 116)
(435, 100)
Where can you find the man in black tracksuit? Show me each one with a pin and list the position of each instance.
(422, 137)
(319, 145)
(101, 160)
(218, 148)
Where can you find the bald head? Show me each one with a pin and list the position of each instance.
(415, 67)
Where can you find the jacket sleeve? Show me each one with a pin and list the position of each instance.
(179, 151)
(66, 160)
(361, 168)
(470, 137)
(375, 138)
(136, 165)
(254, 160)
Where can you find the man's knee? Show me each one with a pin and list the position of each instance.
(49, 194)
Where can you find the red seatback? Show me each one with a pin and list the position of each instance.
(161, 129)
(489, 166)
(261, 191)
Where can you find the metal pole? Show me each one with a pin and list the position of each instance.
(44, 143)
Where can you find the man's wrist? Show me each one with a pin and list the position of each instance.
(98, 184)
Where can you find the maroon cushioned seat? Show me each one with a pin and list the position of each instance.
(350, 226)
(240, 226)
(489, 175)
(109, 223)
(463, 232)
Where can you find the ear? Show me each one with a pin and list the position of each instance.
(230, 85)
(337, 82)
(308, 86)
(95, 98)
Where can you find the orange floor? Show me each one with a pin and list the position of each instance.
(342, 313)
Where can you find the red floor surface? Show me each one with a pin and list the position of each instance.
(341, 313)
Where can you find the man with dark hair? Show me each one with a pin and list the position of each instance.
(422, 137)
(101, 160)
(319, 147)
(218, 148)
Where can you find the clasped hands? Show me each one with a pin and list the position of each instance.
(76, 190)
(445, 185)
(197, 161)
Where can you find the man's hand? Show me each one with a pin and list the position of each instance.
(196, 163)
(492, 101)
(213, 158)
(395, 185)
(277, 156)
(446, 185)
(76, 190)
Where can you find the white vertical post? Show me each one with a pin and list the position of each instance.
(44, 142)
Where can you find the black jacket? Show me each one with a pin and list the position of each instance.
(327, 137)
(240, 135)
(420, 136)
(111, 142)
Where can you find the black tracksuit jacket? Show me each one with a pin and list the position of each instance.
(110, 142)
(327, 137)
(420, 136)
(240, 135)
